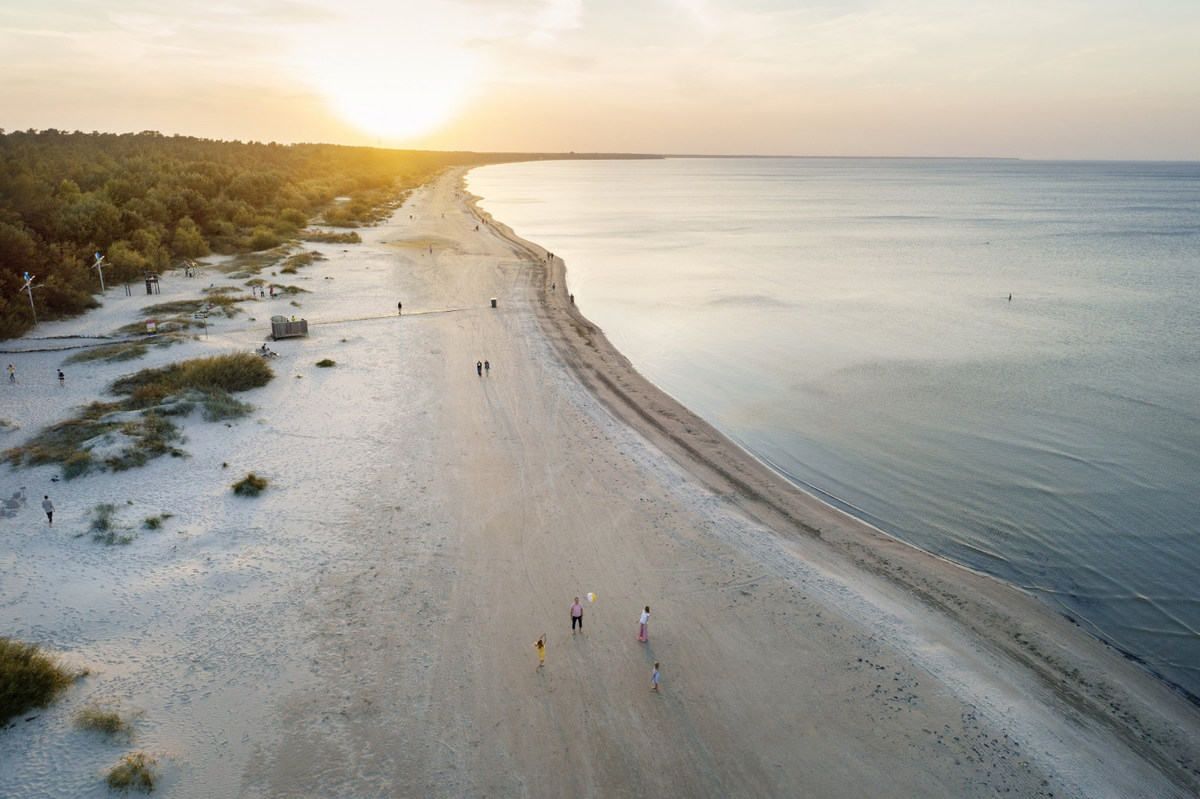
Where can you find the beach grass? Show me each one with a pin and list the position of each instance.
(133, 772)
(221, 300)
(250, 264)
(105, 529)
(325, 363)
(135, 429)
(29, 678)
(251, 485)
(106, 720)
(156, 522)
(330, 237)
(126, 350)
(299, 260)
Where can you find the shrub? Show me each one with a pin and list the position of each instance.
(325, 363)
(135, 771)
(250, 486)
(263, 238)
(28, 678)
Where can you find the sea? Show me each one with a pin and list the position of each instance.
(997, 361)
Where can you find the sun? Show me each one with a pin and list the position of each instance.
(395, 92)
(397, 107)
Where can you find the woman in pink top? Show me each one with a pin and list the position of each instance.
(644, 625)
(576, 616)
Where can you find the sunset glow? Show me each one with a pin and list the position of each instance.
(1052, 79)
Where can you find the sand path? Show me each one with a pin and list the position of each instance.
(838, 664)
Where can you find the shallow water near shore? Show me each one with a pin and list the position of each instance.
(848, 322)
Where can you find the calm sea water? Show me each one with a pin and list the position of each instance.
(848, 322)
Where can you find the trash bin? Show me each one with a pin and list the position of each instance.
(493, 302)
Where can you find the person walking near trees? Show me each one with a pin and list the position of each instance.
(644, 626)
(48, 506)
(576, 616)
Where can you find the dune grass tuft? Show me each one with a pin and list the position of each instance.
(172, 390)
(156, 522)
(106, 720)
(134, 772)
(29, 678)
(325, 363)
(237, 371)
(250, 486)
(125, 350)
(105, 529)
(330, 237)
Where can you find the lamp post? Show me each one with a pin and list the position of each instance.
(28, 288)
(99, 267)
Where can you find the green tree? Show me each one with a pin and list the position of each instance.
(188, 241)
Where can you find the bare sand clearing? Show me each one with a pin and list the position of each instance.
(367, 627)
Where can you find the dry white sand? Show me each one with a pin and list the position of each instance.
(365, 628)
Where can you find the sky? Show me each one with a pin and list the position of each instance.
(1079, 79)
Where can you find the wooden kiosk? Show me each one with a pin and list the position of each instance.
(282, 328)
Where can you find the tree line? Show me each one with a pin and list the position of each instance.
(145, 201)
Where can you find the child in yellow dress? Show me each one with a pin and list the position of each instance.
(540, 646)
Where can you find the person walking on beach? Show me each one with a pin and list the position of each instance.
(399, 309)
(644, 626)
(654, 678)
(48, 506)
(479, 367)
(576, 616)
(62, 379)
(540, 646)
(12, 374)
(487, 367)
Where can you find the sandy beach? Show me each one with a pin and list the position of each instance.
(366, 627)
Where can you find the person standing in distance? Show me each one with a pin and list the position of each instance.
(479, 367)
(12, 374)
(399, 309)
(487, 367)
(576, 616)
(48, 506)
(62, 379)
(654, 678)
(644, 626)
